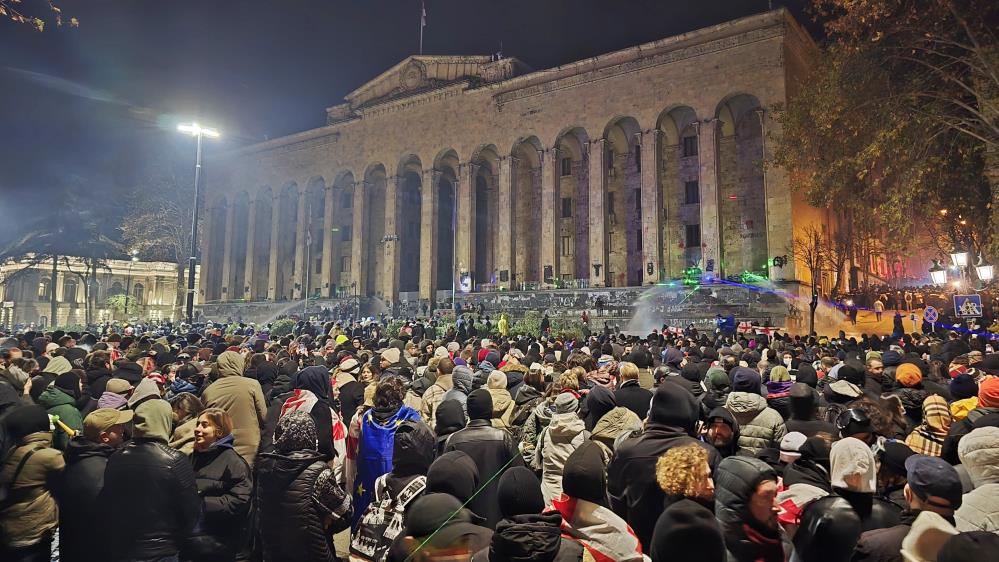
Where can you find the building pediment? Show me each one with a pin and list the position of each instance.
(421, 73)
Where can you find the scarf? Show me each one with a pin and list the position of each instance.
(304, 401)
(928, 437)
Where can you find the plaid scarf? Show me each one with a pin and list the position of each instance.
(928, 437)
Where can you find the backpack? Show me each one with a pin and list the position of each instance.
(382, 521)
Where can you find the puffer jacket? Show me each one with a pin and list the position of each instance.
(225, 488)
(761, 426)
(564, 434)
(735, 481)
(30, 514)
(291, 521)
(979, 453)
(530, 538)
(531, 434)
(617, 424)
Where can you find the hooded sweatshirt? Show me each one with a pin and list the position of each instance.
(979, 453)
(243, 399)
(745, 539)
(153, 420)
(726, 416)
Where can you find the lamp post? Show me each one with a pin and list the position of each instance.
(199, 132)
(128, 280)
(938, 274)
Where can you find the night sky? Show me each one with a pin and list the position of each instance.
(84, 110)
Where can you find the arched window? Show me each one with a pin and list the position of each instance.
(45, 289)
(69, 286)
(116, 289)
(137, 292)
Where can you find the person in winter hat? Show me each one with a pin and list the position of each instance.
(964, 391)
(803, 403)
(979, 453)
(722, 432)
(453, 473)
(525, 533)
(61, 400)
(586, 517)
(450, 418)
(564, 434)
(687, 532)
(827, 531)
(438, 528)
(634, 493)
(853, 473)
(746, 507)
(761, 426)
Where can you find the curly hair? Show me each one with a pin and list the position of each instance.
(390, 393)
(881, 418)
(682, 471)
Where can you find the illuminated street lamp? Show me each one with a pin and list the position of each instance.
(199, 132)
(984, 270)
(938, 274)
(959, 257)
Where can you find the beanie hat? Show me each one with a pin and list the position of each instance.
(745, 379)
(988, 393)
(876, 355)
(479, 405)
(295, 431)
(675, 406)
(687, 531)
(391, 355)
(350, 365)
(852, 466)
(112, 400)
(519, 493)
(566, 403)
(789, 446)
(25, 420)
(69, 382)
(584, 475)
(891, 358)
(895, 455)
(908, 375)
(852, 373)
(963, 386)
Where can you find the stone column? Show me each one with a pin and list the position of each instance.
(227, 257)
(465, 236)
(711, 241)
(652, 247)
(358, 271)
(598, 198)
(550, 251)
(504, 231)
(272, 264)
(326, 276)
(390, 284)
(251, 237)
(301, 268)
(207, 259)
(428, 235)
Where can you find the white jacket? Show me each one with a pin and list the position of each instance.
(564, 434)
(979, 453)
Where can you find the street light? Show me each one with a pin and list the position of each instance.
(984, 270)
(938, 274)
(959, 257)
(197, 131)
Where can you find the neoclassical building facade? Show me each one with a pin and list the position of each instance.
(619, 170)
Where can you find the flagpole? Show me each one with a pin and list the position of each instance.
(423, 23)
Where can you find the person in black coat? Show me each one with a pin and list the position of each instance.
(225, 488)
(83, 479)
(492, 449)
(804, 406)
(149, 496)
(98, 367)
(630, 395)
(631, 476)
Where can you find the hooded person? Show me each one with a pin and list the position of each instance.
(964, 391)
(147, 389)
(450, 418)
(717, 388)
(311, 394)
(525, 533)
(60, 400)
(634, 492)
(853, 473)
(779, 390)
(984, 414)
(501, 399)
(242, 399)
(807, 375)
(299, 503)
(803, 403)
(461, 381)
(492, 449)
(453, 473)
(909, 389)
(746, 508)
(722, 432)
(690, 378)
(805, 480)
(265, 373)
(979, 453)
(564, 434)
(687, 532)
(485, 367)
(586, 517)
(761, 426)
(145, 480)
(928, 437)
(827, 532)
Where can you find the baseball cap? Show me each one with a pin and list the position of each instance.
(103, 419)
(118, 386)
(932, 476)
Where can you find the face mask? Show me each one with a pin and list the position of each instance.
(787, 361)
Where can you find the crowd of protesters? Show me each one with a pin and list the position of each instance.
(342, 441)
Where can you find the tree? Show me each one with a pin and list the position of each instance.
(121, 303)
(899, 111)
(15, 12)
(809, 248)
(157, 221)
